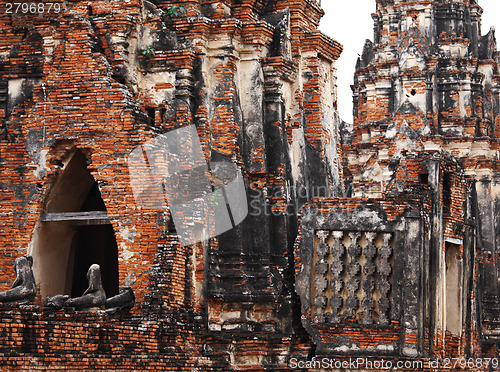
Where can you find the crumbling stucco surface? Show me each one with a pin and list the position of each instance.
(377, 238)
(83, 87)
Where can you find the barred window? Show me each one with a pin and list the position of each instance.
(352, 277)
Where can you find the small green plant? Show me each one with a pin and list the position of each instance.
(175, 11)
(147, 51)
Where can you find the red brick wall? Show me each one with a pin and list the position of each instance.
(92, 90)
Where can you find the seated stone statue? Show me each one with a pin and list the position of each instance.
(94, 296)
(125, 300)
(24, 287)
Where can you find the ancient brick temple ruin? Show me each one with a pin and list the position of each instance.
(425, 138)
(376, 239)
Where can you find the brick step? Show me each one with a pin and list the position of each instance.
(491, 312)
(241, 269)
(491, 307)
(261, 281)
(241, 283)
(235, 284)
(256, 296)
(489, 299)
(246, 325)
(241, 277)
(250, 260)
(491, 317)
(252, 280)
(242, 287)
(231, 271)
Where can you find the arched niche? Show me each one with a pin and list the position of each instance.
(74, 232)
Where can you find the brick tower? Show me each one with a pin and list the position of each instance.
(84, 84)
(429, 84)
(428, 58)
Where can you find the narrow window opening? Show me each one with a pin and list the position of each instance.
(453, 289)
(163, 111)
(150, 111)
(423, 178)
(119, 78)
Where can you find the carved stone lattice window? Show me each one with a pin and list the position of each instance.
(352, 277)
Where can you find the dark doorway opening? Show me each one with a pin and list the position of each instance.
(95, 244)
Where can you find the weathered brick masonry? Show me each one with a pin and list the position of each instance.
(84, 86)
(428, 84)
(380, 244)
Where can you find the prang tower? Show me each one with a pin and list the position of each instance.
(430, 55)
(427, 88)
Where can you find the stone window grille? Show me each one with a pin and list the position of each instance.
(352, 277)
